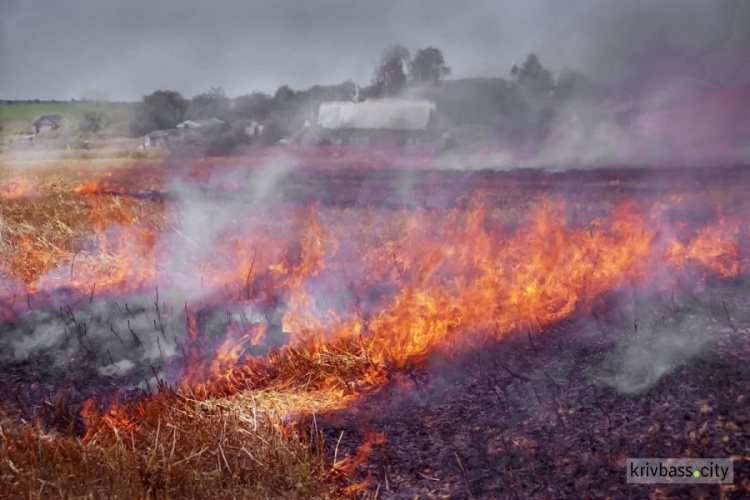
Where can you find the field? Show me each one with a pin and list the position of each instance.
(17, 118)
(328, 324)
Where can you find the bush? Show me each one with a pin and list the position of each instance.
(163, 109)
(91, 123)
(226, 141)
(272, 134)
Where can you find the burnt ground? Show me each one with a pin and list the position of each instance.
(394, 187)
(557, 415)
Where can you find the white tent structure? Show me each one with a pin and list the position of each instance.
(376, 114)
(208, 123)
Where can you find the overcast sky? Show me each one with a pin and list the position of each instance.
(124, 49)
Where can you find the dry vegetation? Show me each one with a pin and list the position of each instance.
(262, 441)
(43, 222)
(260, 431)
(180, 448)
(257, 443)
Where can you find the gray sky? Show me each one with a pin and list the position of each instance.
(125, 49)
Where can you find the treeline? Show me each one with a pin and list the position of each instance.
(518, 108)
(280, 114)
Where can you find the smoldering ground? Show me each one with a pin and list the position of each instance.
(133, 340)
(136, 339)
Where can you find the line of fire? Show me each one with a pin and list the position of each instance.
(432, 285)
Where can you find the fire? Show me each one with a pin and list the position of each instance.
(457, 281)
(715, 248)
(17, 188)
(467, 282)
(116, 418)
(348, 465)
(335, 302)
(101, 185)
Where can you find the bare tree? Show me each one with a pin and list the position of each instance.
(390, 74)
(428, 66)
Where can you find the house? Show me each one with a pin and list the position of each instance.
(47, 123)
(158, 139)
(254, 129)
(210, 123)
(307, 136)
(378, 120)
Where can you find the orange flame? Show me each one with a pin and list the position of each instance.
(391, 288)
(17, 188)
(348, 466)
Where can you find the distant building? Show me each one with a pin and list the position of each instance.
(307, 136)
(378, 120)
(158, 139)
(47, 123)
(209, 123)
(254, 129)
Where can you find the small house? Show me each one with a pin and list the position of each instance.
(158, 139)
(207, 124)
(254, 129)
(47, 123)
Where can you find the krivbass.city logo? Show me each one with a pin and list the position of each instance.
(680, 470)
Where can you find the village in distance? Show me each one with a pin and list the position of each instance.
(410, 100)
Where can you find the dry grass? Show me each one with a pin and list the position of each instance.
(341, 369)
(181, 448)
(259, 443)
(43, 227)
(255, 443)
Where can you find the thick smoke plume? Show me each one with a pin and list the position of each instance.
(137, 338)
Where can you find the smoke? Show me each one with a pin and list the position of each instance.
(583, 134)
(672, 125)
(231, 200)
(680, 88)
(136, 338)
(116, 338)
(653, 352)
(639, 46)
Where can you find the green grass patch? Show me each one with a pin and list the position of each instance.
(31, 111)
(17, 118)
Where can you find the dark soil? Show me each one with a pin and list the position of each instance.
(530, 419)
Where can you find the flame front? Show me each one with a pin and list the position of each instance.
(339, 298)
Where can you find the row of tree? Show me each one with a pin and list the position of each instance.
(518, 107)
(396, 68)
(166, 108)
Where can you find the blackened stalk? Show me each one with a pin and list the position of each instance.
(729, 319)
(249, 273)
(135, 337)
(112, 329)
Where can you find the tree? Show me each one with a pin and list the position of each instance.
(163, 109)
(570, 84)
(91, 123)
(283, 94)
(533, 76)
(344, 91)
(255, 106)
(428, 66)
(390, 75)
(210, 104)
(530, 105)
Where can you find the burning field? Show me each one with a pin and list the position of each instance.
(334, 324)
